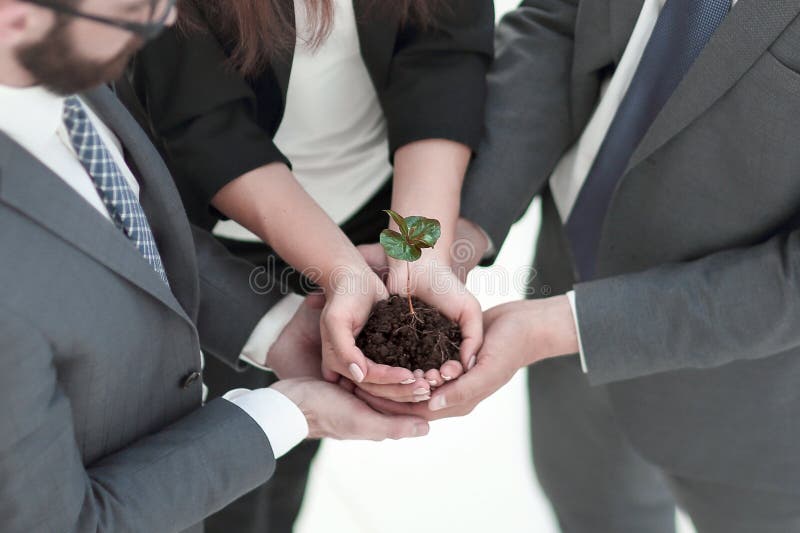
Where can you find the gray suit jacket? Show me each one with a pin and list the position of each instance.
(695, 324)
(103, 428)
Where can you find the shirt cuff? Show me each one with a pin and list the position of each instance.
(268, 329)
(282, 421)
(571, 298)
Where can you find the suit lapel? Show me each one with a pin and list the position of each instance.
(30, 187)
(158, 198)
(745, 34)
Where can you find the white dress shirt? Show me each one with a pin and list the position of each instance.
(572, 170)
(334, 133)
(33, 118)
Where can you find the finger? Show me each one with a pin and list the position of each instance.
(374, 255)
(339, 348)
(486, 377)
(418, 391)
(471, 323)
(373, 425)
(346, 384)
(315, 300)
(387, 375)
(329, 375)
(390, 407)
(451, 370)
(419, 374)
(433, 377)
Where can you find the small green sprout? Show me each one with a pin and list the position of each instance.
(416, 233)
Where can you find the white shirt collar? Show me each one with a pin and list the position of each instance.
(30, 115)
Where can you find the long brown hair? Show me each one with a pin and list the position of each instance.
(256, 31)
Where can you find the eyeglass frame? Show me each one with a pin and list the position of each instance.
(146, 30)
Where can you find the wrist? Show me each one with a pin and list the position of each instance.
(562, 335)
(551, 328)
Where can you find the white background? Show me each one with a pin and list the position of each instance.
(469, 475)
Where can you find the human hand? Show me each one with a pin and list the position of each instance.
(468, 248)
(347, 309)
(458, 303)
(433, 281)
(517, 334)
(297, 352)
(333, 412)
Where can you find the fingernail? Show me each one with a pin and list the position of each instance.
(408, 381)
(473, 360)
(438, 403)
(356, 372)
(420, 430)
(420, 391)
(425, 398)
(432, 382)
(446, 378)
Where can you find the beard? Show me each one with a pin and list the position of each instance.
(55, 64)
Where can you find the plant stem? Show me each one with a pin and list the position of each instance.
(408, 288)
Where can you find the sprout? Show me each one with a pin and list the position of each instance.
(415, 234)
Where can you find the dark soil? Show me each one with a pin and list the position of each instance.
(395, 337)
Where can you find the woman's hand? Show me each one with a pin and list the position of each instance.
(348, 305)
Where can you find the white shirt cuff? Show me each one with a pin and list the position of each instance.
(571, 298)
(268, 329)
(282, 421)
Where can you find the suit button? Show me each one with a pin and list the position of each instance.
(189, 380)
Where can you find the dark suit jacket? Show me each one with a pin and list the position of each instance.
(216, 126)
(695, 323)
(103, 428)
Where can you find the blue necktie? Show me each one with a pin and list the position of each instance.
(680, 34)
(114, 190)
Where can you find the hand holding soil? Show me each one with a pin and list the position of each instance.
(405, 330)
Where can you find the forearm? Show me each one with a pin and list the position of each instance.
(272, 204)
(427, 182)
(528, 124)
(732, 305)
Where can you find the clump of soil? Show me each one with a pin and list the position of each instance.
(395, 337)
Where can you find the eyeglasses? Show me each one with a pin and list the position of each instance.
(146, 30)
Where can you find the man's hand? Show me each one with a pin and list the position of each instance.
(517, 334)
(297, 352)
(469, 247)
(332, 412)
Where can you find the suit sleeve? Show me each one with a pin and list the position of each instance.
(527, 115)
(731, 305)
(203, 113)
(437, 76)
(167, 481)
(234, 297)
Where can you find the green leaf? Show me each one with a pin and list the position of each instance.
(399, 220)
(423, 230)
(396, 246)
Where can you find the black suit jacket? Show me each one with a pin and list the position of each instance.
(215, 125)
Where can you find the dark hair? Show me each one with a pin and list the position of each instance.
(256, 31)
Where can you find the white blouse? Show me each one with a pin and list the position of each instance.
(333, 129)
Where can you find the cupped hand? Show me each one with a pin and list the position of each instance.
(517, 334)
(346, 311)
(297, 352)
(333, 412)
(436, 284)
